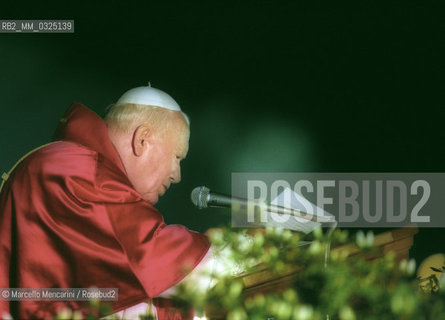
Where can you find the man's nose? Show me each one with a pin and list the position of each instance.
(175, 177)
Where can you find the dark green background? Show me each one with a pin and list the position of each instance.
(268, 85)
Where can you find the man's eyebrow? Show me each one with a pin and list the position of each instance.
(182, 153)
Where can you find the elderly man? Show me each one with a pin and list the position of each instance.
(79, 212)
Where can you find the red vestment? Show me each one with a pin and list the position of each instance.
(70, 218)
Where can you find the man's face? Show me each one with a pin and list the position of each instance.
(159, 166)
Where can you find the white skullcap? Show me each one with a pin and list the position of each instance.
(149, 96)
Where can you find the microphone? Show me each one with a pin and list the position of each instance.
(202, 197)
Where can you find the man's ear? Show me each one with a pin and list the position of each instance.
(141, 140)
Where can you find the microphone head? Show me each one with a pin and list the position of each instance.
(199, 196)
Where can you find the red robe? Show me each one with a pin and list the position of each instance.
(70, 218)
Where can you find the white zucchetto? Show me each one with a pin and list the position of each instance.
(149, 96)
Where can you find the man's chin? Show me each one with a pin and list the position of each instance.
(152, 198)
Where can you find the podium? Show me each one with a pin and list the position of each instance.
(398, 241)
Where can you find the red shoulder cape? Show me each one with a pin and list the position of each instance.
(69, 218)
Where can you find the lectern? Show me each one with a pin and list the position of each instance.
(262, 280)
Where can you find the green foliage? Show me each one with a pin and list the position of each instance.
(95, 310)
(344, 288)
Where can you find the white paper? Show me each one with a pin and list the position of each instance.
(290, 199)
